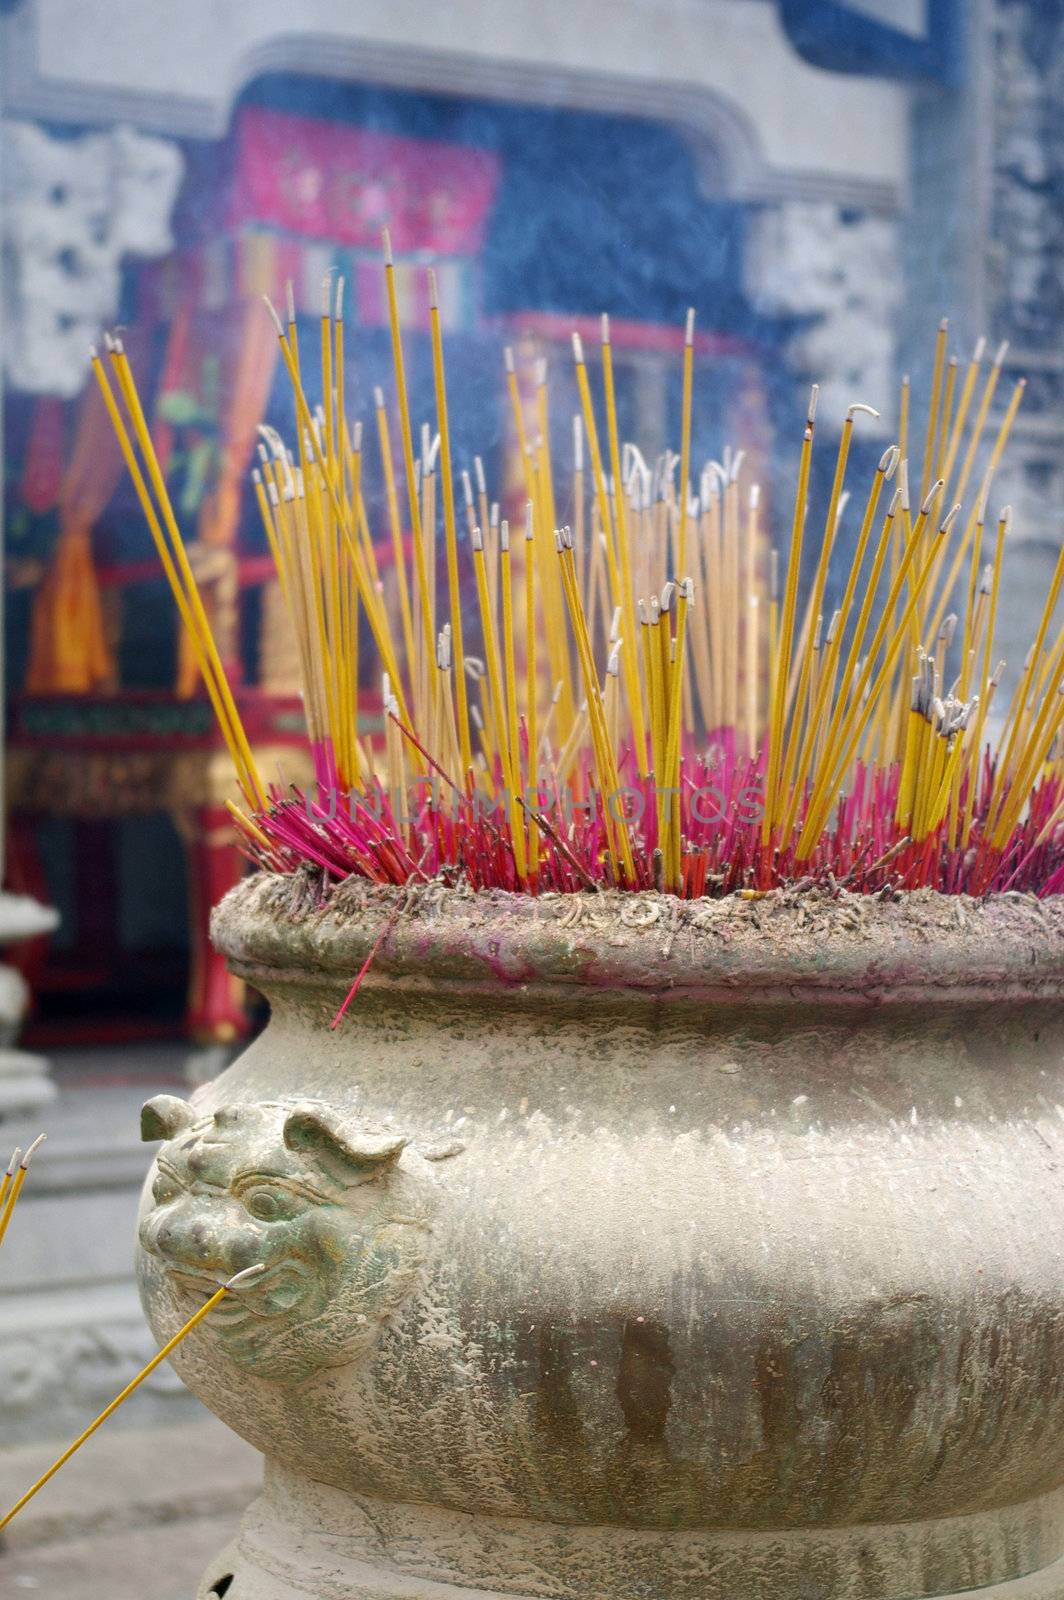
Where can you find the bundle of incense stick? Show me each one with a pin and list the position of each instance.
(631, 697)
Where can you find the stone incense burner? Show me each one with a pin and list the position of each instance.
(625, 1249)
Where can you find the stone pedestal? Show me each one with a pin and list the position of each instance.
(24, 1081)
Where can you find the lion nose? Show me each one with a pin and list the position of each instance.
(185, 1239)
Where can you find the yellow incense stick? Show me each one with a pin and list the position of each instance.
(16, 1188)
(775, 731)
(186, 586)
(5, 1181)
(685, 438)
(450, 531)
(423, 587)
(239, 1280)
(627, 598)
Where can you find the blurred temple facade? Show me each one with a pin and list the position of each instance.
(821, 180)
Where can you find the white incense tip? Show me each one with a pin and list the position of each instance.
(378, 397)
(16, 1155)
(979, 351)
(93, 353)
(476, 539)
(290, 301)
(478, 473)
(949, 519)
(1001, 352)
(35, 1146)
(326, 293)
(493, 514)
(567, 537)
(578, 349)
(356, 438)
(558, 540)
(814, 396)
(689, 329)
(896, 500)
(504, 537)
(888, 461)
(931, 496)
(943, 325)
(832, 626)
(539, 372)
(615, 625)
(736, 465)
(508, 358)
(386, 246)
(578, 444)
(687, 589)
(530, 526)
(667, 596)
(859, 405)
(117, 346)
(108, 342)
(1005, 520)
(644, 617)
(273, 314)
(903, 481)
(755, 496)
(604, 324)
(240, 1280)
(613, 664)
(338, 310)
(467, 489)
(434, 298)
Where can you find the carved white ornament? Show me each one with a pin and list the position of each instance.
(73, 208)
(836, 272)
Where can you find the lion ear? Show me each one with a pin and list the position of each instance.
(356, 1153)
(164, 1117)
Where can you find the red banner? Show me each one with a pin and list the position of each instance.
(327, 180)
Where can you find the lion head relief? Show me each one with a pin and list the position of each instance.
(329, 1204)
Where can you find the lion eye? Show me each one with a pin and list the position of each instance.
(271, 1205)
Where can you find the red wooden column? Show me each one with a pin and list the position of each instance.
(216, 1011)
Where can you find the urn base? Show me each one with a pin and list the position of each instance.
(302, 1540)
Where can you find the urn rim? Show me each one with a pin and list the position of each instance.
(284, 931)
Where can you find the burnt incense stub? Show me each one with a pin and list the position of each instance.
(723, 1258)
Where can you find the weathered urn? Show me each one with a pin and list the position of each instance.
(625, 1249)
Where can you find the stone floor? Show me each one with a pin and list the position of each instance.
(135, 1515)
